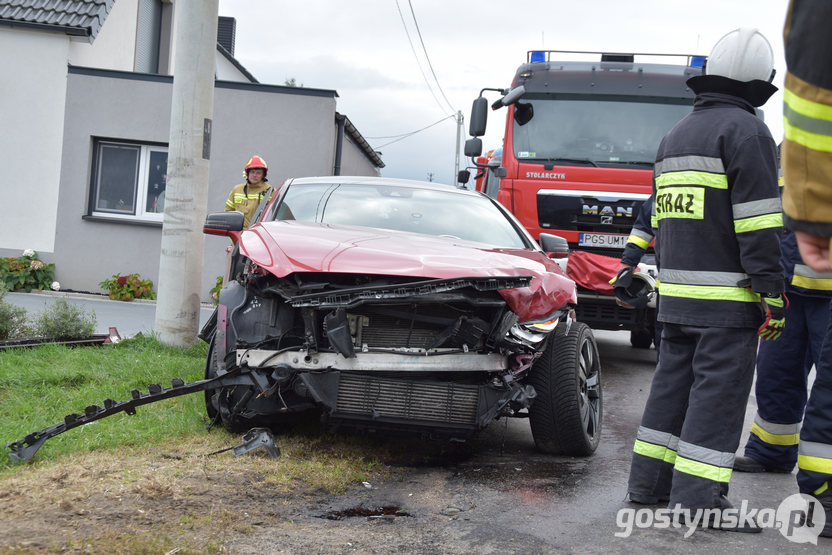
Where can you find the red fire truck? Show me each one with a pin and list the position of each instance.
(581, 134)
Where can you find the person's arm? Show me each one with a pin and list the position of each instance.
(807, 103)
(229, 204)
(757, 212)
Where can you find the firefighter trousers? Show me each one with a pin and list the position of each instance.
(814, 460)
(692, 422)
(783, 366)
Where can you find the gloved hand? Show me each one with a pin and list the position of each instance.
(624, 277)
(775, 308)
(622, 280)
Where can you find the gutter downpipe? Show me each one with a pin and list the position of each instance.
(339, 141)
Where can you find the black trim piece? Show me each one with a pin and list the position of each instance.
(302, 91)
(72, 31)
(117, 74)
(104, 219)
(346, 297)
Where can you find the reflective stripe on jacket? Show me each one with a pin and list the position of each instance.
(807, 117)
(246, 198)
(718, 215)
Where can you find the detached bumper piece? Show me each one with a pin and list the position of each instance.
(429, 407)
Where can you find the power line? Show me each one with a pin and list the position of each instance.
(428, 57)
(398, 138)
(418, 63)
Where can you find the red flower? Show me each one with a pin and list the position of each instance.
(122, 280)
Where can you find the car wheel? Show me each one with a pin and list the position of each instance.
(222, 401)
(641, 338)
(565, 417)
(210, 372)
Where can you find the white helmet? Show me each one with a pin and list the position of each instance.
(743, 54)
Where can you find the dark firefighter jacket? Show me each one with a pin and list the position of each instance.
(640, 236)
(718, 212)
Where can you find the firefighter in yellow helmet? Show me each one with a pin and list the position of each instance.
(247, 196)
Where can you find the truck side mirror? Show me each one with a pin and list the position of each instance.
(479, 117)
(473, 147)
(463, 176)
(509, 99)
(523, 113)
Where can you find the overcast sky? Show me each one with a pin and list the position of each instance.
(361, 50)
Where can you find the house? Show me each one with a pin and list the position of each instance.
(86, 94)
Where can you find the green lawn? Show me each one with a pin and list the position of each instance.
(41, 385)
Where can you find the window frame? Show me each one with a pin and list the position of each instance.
(140, 187)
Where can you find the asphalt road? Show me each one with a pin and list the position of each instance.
(503, 496)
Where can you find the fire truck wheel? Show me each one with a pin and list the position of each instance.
(565, 417)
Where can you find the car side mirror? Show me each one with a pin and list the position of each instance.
(463, 176)
(229, 224)
(554, 245)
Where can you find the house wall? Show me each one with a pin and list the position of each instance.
(115, 45)
(32, 92)
(293, 129)
(354, 161)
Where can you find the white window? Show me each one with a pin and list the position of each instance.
(129, 180)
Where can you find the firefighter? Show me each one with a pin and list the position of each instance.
(783, 366)
(247, 196)
(807, 204)
(718, 233)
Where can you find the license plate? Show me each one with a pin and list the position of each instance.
(618, 241)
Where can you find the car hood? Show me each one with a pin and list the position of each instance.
(287, 247)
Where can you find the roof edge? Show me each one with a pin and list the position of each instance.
(360, 140)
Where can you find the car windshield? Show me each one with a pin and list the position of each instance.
(400, 208)
(596, 130)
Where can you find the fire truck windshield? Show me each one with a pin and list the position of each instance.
(596, 130)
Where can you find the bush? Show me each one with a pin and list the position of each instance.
(12, 319)
(65, 319)
(26, 272)
(215, 291)
(129, 287)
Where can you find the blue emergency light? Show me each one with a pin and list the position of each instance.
(538, 56)
(697, 61)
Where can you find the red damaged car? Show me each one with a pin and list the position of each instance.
(399, 306)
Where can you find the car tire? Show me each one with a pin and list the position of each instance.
(565, 417)
(210, 372)
(220, 402)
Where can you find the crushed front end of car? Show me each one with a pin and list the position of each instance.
(438, 357)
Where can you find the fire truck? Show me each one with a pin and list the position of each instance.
(581, 134)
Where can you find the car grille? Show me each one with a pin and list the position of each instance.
(389, 332)
(412, 400)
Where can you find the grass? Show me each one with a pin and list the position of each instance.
(39, 386)
(125, 462)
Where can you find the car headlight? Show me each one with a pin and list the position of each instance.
(541, 327)
(532, 333)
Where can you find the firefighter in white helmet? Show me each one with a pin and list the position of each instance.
(718, 228)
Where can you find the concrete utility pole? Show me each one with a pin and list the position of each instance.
(186, 202)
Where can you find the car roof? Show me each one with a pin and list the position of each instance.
(386, 181)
